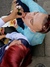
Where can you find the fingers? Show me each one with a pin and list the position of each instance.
(14, 4)
(15, 42)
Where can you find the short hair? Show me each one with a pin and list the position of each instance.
(46, 26)
(9, 30)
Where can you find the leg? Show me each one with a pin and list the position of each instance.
(27, 60)
(13, 57)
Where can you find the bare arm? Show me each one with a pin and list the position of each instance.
(12, 16)
(2, 36)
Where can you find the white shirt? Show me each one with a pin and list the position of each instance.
(1, 22)
(15, 35)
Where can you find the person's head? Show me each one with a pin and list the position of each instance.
(13, 57)
(5, 30)
(38, 22)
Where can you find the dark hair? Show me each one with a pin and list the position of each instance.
(1, 43)
(9, 30)
(46, 26)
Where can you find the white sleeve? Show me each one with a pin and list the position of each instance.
(13, 35)
(10, 35)
(1, 22)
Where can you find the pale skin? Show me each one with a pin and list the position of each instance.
(33, 23)
(34, 20)
(12, 16)
(17, 42)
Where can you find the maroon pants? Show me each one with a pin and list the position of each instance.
(14, 56)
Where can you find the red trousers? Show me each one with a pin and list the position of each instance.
(14, 56)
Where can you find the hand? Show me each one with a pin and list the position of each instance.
(15, 42)
(14, 14)
(18, 7)
(2, 36)
(14, 4)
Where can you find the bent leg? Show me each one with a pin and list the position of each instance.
(13, 56)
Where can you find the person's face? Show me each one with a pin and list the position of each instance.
(1, 31)
(35, 20)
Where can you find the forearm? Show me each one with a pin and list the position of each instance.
(8, 18)
(12, 16)
(2, 36)
(5, 19)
